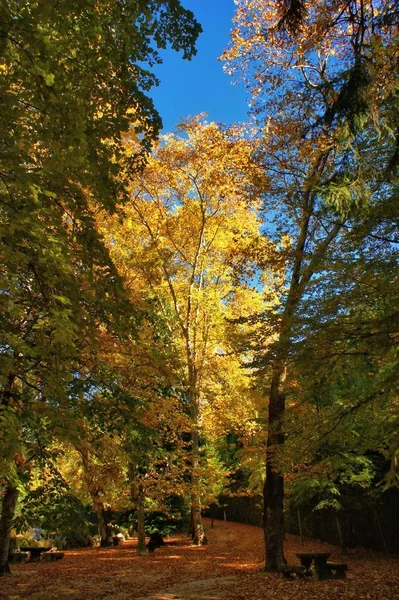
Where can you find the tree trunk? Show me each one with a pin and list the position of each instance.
(273, 491)
(10, 496)
(141, 545)
(7, 514)
(137, 497)
(103, 527)
(298, 512)
(196, 521)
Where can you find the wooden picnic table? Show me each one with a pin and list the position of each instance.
(35, 551)
(319, 559)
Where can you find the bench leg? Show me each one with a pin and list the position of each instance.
(322, 572)
(339, 574)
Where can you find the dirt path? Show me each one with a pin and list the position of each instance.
(230, 567)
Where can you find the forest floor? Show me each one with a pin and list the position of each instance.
(230, 567)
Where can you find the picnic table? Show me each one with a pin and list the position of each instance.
(321, 568)
(35, 551)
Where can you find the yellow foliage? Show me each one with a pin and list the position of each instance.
(189, 238)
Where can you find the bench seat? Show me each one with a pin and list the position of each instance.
(18, 557)
(288, 571)
(49, 556)
(338, 569)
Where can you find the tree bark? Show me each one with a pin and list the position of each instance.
(7, 514)
(298, 512)
(197, 529)
(141, 545)
(137, 497)
(196, 521)
(273, 490)
(103, 527)
(10, 497)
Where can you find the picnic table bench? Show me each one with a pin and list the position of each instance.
(35, 552)
(53, 555)
(322, 568)
(338, 570)
(18, 557)
(288, 571)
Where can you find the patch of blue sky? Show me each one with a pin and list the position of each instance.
(188, 88)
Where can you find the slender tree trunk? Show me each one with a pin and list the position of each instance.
(137, 497)
(197, 529)
(298, 512)
(196, 521)
(7, 514)
(141, 546)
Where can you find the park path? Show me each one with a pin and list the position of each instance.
(230, 567)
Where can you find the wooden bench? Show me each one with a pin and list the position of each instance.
(288, 571)
(18, 557)
(49, 556)
(337, 570)
(35, 552)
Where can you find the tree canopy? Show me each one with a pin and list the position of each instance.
(179, 311)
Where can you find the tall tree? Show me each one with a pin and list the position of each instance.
(189, 211)
(322, 78)
(346, 365)
(72, 81)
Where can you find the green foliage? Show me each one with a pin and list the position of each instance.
(65, 105)
(160, 523)
(337, 481)
(345, 359)
(9, 441)
(168, 523)
(173, 517)
(74, 81)
(52, 507)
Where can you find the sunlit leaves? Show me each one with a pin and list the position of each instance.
(181, 242)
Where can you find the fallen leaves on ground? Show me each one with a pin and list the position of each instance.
(230, 567)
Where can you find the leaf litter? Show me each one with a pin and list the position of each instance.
(230, 567)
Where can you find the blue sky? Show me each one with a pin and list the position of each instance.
(190, 87)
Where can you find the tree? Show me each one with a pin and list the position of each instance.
(348, 378)
(65, 104)
(179, 238)
(332, 66)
